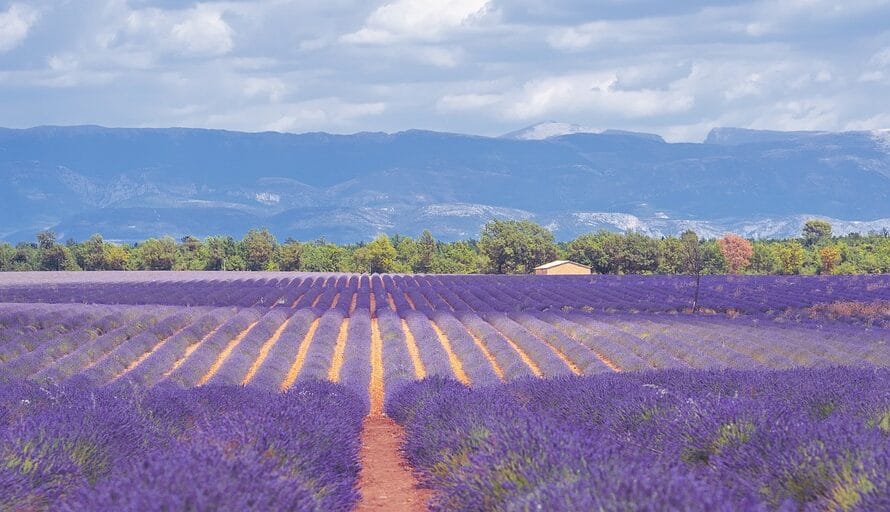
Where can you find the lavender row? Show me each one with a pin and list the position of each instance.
(273, 370)
(194, 367)
(432, 354)
(49, 326)
(355, 373)
(234, 368)
(478, 368)
(93, 350)
(53, 350)
(398, 367)
(548, 362)
(506, 357)
(757, 295)
(78, 447)
(118, 360)
(162, 359)
(584, 359)
(805, 439)
(321, 350)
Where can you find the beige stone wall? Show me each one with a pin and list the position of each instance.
(563, 270)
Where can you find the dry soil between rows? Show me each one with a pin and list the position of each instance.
(386, 481)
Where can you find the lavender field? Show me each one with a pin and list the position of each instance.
(114, 383)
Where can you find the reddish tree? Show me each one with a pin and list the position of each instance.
(736, 251)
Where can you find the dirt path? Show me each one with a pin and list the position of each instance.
(386, 482)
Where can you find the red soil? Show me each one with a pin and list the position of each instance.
(386, 481)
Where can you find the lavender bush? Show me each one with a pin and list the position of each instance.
(805, 439)
(77, 447)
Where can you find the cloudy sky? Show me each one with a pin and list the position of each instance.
(677, 68)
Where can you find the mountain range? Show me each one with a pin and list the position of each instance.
(130, 184)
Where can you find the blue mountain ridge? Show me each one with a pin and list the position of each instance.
(129, 184)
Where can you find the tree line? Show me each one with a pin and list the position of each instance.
(504, 247)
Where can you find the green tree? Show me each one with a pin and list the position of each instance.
(289, 255)
(639, 254)
(320, 256)
(25, 258)
(587, 249)
(815, 231)
(791, 255)
(91, 254)
(712, 258)
(765, 259)
(426, 252)
(46, 239)
(117, 257)
(613, 257)
(460, 257)
(693, 263)
(54, 256)
(670, 255)
(156, 254)
(258, 248)
(378, 256)
(7, 253)
(191, 254)
(406, 254)
(221, 253)
(516, 246)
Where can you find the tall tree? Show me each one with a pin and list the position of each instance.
(258, 247)
(46, 239)
(736, 251)
(587, 249)
(639, 254)
(426, 251)
(7, 253)
(54, 256)
(92, 254)
(829, 257)
(516, 246)
(289, 255)
(792, 257)
(221, 253)
(406, 254)
(157, 254)
(765, 259)
(693, 261)
(116, 257)
(815, 231)
(378, 256)
(321, 256)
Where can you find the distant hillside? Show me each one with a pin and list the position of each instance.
(129, 184)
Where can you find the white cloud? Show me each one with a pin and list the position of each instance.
(798, 114)
(881, 58)
(197, 32)
(203, 32)
(466, 102)
(271, 88)
(599, 33)
(752, 85)
(417, 20)
(596, 93)
(326, 112)
(15, 23)
(471, 66)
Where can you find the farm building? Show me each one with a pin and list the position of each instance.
(561, 268)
